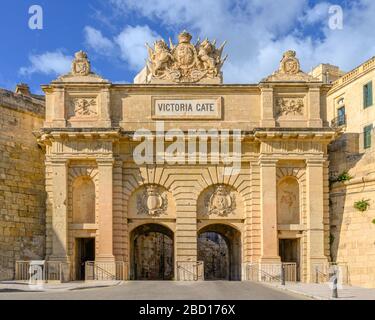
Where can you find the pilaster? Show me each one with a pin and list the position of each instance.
(315, 215)
(315, 119)
(59, 112)
(267, 102)
(105, 208)
(59, 210)
(268, 205)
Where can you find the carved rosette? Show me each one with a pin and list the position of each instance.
(152, 202)
(289, 106)
(84, 106)
(221, 202)
(185, 62)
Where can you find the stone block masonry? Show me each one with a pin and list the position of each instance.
(22, 190)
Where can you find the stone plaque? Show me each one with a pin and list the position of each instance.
(192, 108)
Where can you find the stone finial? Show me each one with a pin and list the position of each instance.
(81, 64)
(23, 88)
(289, 70)
(289, 63)
(81, 71)
(184, 62)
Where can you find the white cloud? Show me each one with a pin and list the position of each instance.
(49, 63)
(317, 13)
(95, 39)
(132, 45)
(259, 31)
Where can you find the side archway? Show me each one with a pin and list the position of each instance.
(219, 247)
(152, 252)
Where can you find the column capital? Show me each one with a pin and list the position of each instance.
(59, 161)
(267, 162)
(105, 161)
(314, 86)
(315, 162)
(266, 87)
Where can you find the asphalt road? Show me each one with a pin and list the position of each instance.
(161, 290)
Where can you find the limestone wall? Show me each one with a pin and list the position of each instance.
(22, 225)
(352, 232)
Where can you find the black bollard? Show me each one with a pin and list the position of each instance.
(335, 294)
(282, 275)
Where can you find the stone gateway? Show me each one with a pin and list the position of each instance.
(184, 221)
(109, 216)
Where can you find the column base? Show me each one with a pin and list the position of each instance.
(315, 123)
(270, 260)
(58, 258)
(105, 258)
(269, 123)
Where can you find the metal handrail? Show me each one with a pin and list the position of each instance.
(97, 268)
(339, 122)
(262, 272)
(195, 275)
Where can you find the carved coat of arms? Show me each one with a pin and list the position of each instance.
(185, 62)
(152, 201)
(81, 64)
(221, 202)
(290, 64)
(289, 70)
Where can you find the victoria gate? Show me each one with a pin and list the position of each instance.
(111, 216)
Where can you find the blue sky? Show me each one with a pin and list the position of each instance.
(113, 32)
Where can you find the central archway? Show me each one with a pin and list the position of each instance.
(219, 247)
(152, 253)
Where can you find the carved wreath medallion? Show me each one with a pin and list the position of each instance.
(221, 202)
(152, 201)
(288, 106)
(84, 106)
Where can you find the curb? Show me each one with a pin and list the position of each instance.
(56, 287)
(311, 296)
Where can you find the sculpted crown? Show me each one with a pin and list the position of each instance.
(290, 54)
(80, 55)
(184, 37)
(184, 62)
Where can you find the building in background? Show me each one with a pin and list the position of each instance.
(351, 108)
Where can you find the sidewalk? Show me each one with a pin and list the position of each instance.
(13, 286)
(324, 292)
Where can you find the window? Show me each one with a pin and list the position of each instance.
(341, 117)
(367, 95)
(367, 135)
